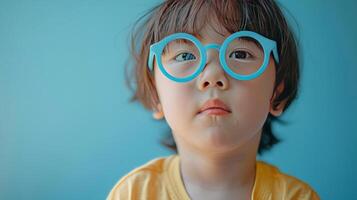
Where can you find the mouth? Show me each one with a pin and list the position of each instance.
(214, 111)
(214, 107)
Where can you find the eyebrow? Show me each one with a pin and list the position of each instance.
(185, 41)
(248, 40)
(198, 36)
(178, 42)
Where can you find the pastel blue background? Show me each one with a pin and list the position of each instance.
(67, 130)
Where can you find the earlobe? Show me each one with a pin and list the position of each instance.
(277, 112)
(158, 113)
(279, 109)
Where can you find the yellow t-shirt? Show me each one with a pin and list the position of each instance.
(160, 179)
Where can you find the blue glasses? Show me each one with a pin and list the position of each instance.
(244, 55)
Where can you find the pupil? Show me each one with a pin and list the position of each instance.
(186, 56)
(240, 54)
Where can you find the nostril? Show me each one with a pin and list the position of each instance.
(205, 84)
(219, 83)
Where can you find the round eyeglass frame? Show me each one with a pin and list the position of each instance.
(269, 46)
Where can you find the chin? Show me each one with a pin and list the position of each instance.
(217, 140)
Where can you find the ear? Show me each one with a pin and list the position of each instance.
(279, 109)
(158, 112)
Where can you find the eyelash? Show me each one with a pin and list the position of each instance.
(249, 55)
(181, 53)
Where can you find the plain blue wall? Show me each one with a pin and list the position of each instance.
(67, 130)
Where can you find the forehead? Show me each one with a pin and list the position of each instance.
(212, 31)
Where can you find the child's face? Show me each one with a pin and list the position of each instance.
(249, 102)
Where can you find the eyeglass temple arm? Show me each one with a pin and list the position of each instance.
(151, 59)
(275, 53)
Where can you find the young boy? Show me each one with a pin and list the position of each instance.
(218, 72)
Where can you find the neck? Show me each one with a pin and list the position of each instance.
(224, 171)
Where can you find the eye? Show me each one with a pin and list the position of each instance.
(184, 57)
(240, 54)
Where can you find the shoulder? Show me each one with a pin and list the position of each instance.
(137, 181)
(289, 186)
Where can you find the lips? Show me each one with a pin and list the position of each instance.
(214, 105)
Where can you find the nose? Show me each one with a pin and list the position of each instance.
(213, 74)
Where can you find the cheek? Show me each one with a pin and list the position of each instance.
(252, 110)
(261, 88)
(178, 101)
(253, 99)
